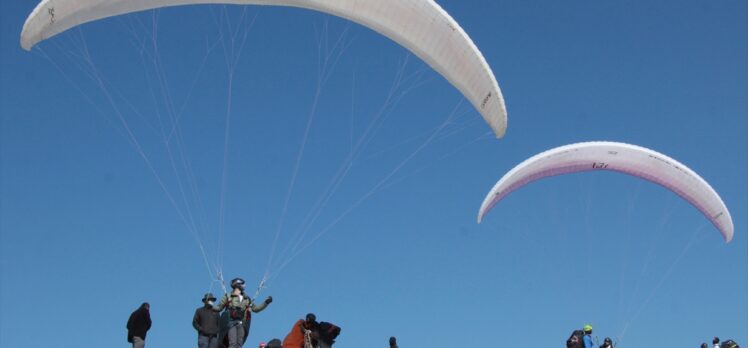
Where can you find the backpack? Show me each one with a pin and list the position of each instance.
(729, 344)
(328, 331)
(575, 340)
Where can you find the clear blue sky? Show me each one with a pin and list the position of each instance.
(88, 231)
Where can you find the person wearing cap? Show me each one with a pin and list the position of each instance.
(607, 343)
(587, 338)
(205, 322)
(239, 307)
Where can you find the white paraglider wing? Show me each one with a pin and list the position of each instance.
(421, 26)
(625, 158)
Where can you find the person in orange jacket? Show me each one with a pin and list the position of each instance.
(303, 333)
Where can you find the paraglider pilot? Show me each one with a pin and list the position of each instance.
(239, 305)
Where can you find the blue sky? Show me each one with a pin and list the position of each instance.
(89, 229)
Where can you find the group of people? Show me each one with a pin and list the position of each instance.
(226, 324)
(237, 308)
(725, 344)
(308, 333)
(583, 339)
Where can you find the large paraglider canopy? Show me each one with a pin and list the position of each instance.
(421, 26)
(624, 158)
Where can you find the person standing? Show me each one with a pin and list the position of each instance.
(239, 307)
(138, 325)
(205, 322)
(587, 338)
(393, 342)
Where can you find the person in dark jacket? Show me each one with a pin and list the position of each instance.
(393, 342)
(205, 322)
(138, 325)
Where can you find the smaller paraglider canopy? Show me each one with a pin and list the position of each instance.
(629, 159)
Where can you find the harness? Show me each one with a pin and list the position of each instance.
(237, 314)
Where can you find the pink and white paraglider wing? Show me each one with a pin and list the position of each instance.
(624, 158)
